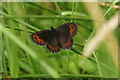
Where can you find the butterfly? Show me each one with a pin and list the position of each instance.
(54, 39)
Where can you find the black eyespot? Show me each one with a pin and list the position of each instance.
(36, 38)
(72, 27)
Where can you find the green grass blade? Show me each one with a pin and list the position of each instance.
(111, 7)
(42, 7)
(29, 50)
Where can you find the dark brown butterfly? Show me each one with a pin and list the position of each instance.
(54, 39)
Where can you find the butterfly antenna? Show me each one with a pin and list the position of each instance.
(52, 28)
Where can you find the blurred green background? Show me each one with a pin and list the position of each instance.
(22, 58)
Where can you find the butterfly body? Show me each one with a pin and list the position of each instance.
(54, 39)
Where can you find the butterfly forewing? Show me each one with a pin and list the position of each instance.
(40, 37)
(68, 29)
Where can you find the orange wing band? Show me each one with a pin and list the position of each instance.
(71, 29)
(36, 38)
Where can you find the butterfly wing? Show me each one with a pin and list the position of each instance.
(66, 32)
(66, 42)
(40, 37)
(69, 29)
(53, 44)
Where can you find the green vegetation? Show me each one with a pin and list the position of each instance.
(21, 58)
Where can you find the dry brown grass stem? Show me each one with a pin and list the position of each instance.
(101, 35)
(104, 32)
(108, 5)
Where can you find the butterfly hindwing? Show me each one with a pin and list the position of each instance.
(40, 37)
(68, 29)
(53, 44)
(66, 42)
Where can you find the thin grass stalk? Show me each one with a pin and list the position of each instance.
(50, 70)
